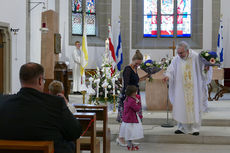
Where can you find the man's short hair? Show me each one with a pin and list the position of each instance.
(56, 87)
(77, 42)
(30, 72)
(183, 44)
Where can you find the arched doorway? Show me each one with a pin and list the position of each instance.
(5, 58)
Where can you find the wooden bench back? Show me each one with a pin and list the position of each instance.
(101, 115)
(19, 146)
(85, 119)
(100, 110)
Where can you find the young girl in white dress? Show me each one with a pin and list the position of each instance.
(131, 127)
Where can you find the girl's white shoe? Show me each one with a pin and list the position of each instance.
(120, 143)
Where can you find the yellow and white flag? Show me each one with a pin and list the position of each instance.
(84, 54)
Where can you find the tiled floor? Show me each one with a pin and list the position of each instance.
(174, 148)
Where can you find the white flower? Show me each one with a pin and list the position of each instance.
(118, 91)
(206, 54)
(109, 86)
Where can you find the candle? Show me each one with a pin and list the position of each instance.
(106, 92)
(104, 85)
(97, 90)
(98, 72)
(107, 44)
(113, 81)
(90, 80)
(97, 81)
(83, 86)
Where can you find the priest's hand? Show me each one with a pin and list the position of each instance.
(165, 79)
(206, 68)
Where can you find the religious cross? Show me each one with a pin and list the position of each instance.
(173, 47)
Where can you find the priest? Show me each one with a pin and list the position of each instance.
(186, 78)
(76, 55)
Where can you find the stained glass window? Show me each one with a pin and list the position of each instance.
(90, 6)
(167, 11)
(90, 20)
(183, 18)
(166, 26)
(77, 23)
(150, 18)
(77, 17)
(161, 17)
(167, 6)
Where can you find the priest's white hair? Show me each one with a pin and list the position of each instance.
(183, 44)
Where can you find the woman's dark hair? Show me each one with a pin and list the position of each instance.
(137, 56)
(130, 90)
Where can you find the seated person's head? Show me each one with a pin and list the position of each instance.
(32, 76)
(56, 87)
(131, 90)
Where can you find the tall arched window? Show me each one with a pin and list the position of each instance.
(79, 7)
(167, 18)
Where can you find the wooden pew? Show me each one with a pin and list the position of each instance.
(90, 143)
(19, 146)
(101, 115)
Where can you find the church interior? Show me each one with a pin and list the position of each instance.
(47, 31)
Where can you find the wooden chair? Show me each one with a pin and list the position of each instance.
(19, 146)
(101, 115)
(90, 143)
(226, 88)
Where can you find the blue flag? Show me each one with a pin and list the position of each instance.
(220, 49)
(119, 53)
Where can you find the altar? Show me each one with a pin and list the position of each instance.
(156, 90)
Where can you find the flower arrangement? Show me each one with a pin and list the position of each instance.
(106, 85)
(150, 67)
(165, 62)
(209, 58)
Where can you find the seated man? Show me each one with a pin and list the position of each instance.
(33, 115)
(56, 88)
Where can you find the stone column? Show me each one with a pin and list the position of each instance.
(125, 30)
(48, 57)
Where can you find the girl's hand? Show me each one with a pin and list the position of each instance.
(138, 96)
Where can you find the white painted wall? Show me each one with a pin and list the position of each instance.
(35, 22)
(226, 23)
(14, 13)
(157, 54)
